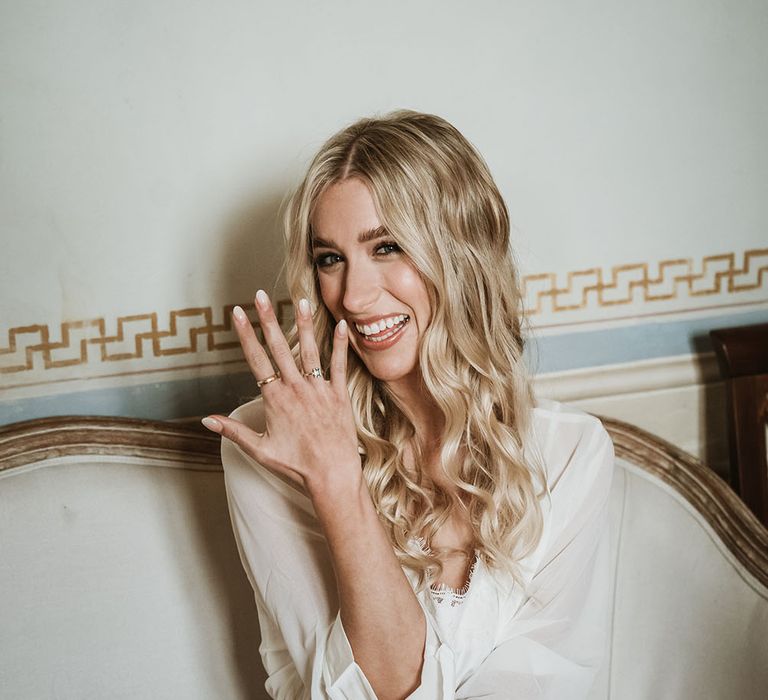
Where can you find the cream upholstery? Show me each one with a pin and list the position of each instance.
(120, 577)
(689, 620)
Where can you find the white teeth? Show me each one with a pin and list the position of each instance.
(379, 326)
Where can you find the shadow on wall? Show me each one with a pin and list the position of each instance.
(251, 251)
(250, 256)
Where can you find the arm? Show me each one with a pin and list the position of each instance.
(383, 620)
(304, 645)
(310, 440)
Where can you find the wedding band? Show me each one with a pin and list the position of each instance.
(261, 382)
(315, 372)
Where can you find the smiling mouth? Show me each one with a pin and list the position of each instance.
(386, 333)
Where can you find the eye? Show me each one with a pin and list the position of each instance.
(327, 259)
(389, 248)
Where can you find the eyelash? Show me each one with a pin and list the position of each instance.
(320, 258)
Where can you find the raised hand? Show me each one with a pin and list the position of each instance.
(310, 434)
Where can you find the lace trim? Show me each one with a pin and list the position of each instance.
(442, 593)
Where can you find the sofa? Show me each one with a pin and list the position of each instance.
(120, 577)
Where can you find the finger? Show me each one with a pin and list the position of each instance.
(255, 355)
(235, 431)
(273, 335)
(310, 355)
(339, 357)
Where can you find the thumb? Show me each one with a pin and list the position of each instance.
(233, 430)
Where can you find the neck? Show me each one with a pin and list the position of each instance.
(421, 410)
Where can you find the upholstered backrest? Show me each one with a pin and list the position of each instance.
(120, 577)
(689, 620)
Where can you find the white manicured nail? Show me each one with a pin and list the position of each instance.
(304, 307)
(211, 424)
(262, 299)
(239, 314)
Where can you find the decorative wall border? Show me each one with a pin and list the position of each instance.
(193, 330)
(151, 341)
(626, 284)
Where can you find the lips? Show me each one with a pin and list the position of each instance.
(383, 339)
(377, 327)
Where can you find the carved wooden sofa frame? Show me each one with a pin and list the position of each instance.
(120, 576)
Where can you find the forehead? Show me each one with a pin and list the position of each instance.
(344, 211)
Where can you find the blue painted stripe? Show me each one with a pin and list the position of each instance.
(222, 393)
(643, 341)
(159, 400)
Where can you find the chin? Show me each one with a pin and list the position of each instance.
(386, 372)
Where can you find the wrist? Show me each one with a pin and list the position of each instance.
(337, 486)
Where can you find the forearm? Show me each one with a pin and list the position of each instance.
(382, 618)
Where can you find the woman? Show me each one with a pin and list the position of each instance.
(414, 526)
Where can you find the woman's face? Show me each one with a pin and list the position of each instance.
(366, 279)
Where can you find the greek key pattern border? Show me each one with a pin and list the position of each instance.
(77, 337)
(193, 330)
(625, 284)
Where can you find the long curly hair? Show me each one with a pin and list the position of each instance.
(438, 201)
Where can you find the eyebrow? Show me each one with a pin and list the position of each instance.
(372, 234)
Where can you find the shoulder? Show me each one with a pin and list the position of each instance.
(576, 453)
(575, 449)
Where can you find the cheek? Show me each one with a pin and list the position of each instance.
(330, 295)
(413, 291)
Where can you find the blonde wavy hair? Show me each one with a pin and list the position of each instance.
(439, 203)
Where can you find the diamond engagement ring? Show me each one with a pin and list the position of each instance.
(315, 372)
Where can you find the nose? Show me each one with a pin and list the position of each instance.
(361, 288)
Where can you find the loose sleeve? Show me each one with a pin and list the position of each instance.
(553, 642)
(304, 648)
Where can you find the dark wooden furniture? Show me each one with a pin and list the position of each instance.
(742, 353)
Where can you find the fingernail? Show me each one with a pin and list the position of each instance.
(239, 314)
(211, 424)
(304, 307)
(342, 328)
(262, 299)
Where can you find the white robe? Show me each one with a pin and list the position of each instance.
(496, 641)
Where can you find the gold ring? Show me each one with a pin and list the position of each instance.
(315, 372)
(261, 382)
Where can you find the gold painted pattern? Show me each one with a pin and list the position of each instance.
(193, 330)
(626, 284)
(189, 331)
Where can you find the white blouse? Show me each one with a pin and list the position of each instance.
(495, 639)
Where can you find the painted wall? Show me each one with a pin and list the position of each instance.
(146, 148)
